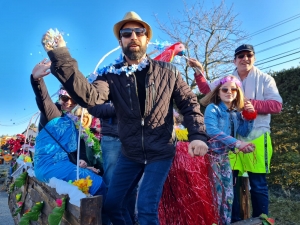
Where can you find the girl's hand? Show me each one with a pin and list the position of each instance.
(246, 147)
(93, 169)
(41, 69)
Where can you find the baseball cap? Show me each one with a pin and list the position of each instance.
(244, 47)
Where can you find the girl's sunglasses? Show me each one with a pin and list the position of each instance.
(232, 90)
(127, 32)
(66, 98)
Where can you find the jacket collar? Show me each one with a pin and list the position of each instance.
(224, 108)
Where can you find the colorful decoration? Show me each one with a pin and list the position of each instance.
(25, 158)
(187, 195)
(249, 115)
(181, 133)
(129, 70)
(65, 188)
(229, 79)
(11, 188)
(18, 196)
(50, 41)
(161, 46)
(20, 181)
(168, 54)
(92, 141)
(88, 136)
(7, 158)
(32, 214)
(63, 92)
(266, 220)
(83, 184)
(19, 208)
(57, 213)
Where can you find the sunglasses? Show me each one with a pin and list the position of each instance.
(127, 32)
(249, 55)
(232, 90)
(66, 98)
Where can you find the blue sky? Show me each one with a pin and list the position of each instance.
(87, 27)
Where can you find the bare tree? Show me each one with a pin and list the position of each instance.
(209, 35)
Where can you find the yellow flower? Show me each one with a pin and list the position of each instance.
(83, 184)
(18, 196)
(182, 134)
(27, 159)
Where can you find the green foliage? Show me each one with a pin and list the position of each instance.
(11, 187)
(285, 126)
(20, 181)
(18, 210)
(56, 215)
(285, 166)
(33, 214)
(285, 211)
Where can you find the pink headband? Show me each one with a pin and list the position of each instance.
(63, 92)
(230, 79)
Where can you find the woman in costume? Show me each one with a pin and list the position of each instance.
(58, 136)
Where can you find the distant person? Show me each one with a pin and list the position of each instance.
(260, 89)
(143, 91)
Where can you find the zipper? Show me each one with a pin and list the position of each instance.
(129, 92)
(143, 123)
(153, 94)
(142, 120)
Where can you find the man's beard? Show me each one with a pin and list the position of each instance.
(134, 54)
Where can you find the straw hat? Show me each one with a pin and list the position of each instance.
(131, 17)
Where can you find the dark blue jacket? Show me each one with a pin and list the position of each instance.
(107, 115)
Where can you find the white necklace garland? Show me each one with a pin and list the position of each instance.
(129, 70)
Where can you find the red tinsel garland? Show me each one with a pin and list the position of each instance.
(188, 197)
(249, 115)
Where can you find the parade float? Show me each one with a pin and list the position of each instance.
(69, 203)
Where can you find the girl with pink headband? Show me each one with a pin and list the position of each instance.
(223, 120)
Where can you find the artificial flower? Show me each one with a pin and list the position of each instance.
(83, 184)
(18, 196)
(181, 133)
(57, 213)
(59, 202)
(249, 115)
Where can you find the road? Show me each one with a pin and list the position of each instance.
(5, 215)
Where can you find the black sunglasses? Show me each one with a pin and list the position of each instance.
(249, 55)
(127, 32)
(66, 98)
(232, 90)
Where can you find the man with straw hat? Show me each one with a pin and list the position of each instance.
(143, 91)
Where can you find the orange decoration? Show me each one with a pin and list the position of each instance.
(7, 158)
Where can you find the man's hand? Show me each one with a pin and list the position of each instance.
(248, 106)
(41, 69)
(50, 41)
(197, 148)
